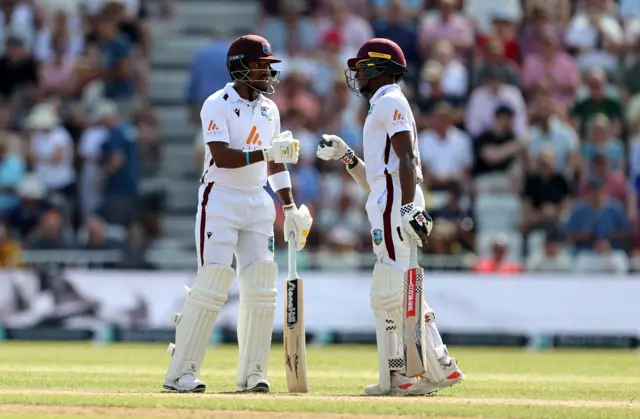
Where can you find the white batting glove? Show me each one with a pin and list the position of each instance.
(297, 221)
(283, 149)
(416, 223)
(332, 147)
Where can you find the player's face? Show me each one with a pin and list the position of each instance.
(356, 79)
(261, 75)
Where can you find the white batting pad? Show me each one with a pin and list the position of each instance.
(434, 349)
(258, 294)
(195, 324)
(387, 289)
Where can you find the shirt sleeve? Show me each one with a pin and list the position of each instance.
(393, 115)
(213, 117)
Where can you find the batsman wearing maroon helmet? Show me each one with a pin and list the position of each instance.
(395, 208)
(244, 149)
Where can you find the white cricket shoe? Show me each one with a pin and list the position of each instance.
(452, 373)
(185, 384)
(400, 385)
(256, 384)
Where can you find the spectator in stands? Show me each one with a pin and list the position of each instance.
(25, 216)
(538, 22)
(552, 258)
(597, 102)
(117, 54)
(12, 170)
(9, 250)
(614, 182)
(453, 226)
(548, 131)
(597, 220)
(50, 233)
(8, 130)
(603, 259)
(546, 195)
(208, 74)
(551, 67)
(18, 19)
(64, 29)
(601, 140)
(455, 77)
(51, 151)
(384, 8)
(498, 261)
(482, 12)
(294, 93)
(433, 91)
(18, 69)
(485, 100)
(96, 236)
(354, 29)
(596, 36)
(492, 56)
(89, 153)
(445, 151)
(290, 31)
(445, 24)
(398, 24)
(497, 149)
(120, 169)
(505, 32)
(57, 73)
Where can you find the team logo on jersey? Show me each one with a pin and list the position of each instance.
(266, 48)
(266, 113)
(270, 244)
(371, 109)
(377, 236)
(397, 116)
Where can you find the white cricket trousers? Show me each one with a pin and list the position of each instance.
(383, 209)
(231, 221)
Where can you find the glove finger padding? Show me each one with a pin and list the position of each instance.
(298, 221)
(416, 223)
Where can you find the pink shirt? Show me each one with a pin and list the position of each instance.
(457, 29)
(482, 106)
(562, 69)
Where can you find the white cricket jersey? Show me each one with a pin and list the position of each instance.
(244, 125)
(389, 114)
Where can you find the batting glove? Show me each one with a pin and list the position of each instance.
(283, 149)
(416, 223)
(297, 221)
(332, 147)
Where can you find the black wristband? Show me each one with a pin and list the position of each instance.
(354, 162)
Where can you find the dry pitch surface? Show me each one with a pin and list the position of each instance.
(61, 380)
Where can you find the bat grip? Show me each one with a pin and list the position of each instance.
(413, 254)
(293, 268)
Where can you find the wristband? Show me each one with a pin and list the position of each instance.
(246, 154)
(348, 157)
(280, 180)
(406, 209)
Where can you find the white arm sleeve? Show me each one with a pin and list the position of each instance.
(213, 117)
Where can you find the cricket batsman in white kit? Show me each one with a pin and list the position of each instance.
(395, 208)
(245, 150)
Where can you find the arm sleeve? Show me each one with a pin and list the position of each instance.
(213, 117)
(394, 115)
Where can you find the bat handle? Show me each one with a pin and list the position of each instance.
(293, 268)
(413, 253)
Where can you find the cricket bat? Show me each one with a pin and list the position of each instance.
(413, 321)
(295, 347)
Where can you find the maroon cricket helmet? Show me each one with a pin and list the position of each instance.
(250, 48)
(375, 57)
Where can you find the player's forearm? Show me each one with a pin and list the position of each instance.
(229, 158)
(286, 196)
(407, 180)
(358, 172)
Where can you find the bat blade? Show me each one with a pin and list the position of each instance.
(295, 350)
(414, 324)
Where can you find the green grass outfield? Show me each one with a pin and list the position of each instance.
(55, 380)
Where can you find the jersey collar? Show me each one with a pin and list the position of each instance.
(381, 91)
(235, 97)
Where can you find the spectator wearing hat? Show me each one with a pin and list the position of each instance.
(120, 163)
(498, 261)
(553, 67)
(18, 69)
(498, 148)
(485, 100)
(597, 221)
(25, 215)
(51, 151)
(12, 170)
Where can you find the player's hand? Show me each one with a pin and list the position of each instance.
(297, 221)
(332, 147)
(284, 149)
(416, 223)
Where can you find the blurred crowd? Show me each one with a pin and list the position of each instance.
(77, 137)
(528, 114)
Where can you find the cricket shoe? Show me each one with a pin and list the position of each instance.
(185, 384)
(256, 384)
(400, 385)
(452, 373)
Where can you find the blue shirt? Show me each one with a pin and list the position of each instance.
(602, 222)
(113, 51)
(12, 170)
(405, 36)
(208, 72)
(614, 150)
(123, 139)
